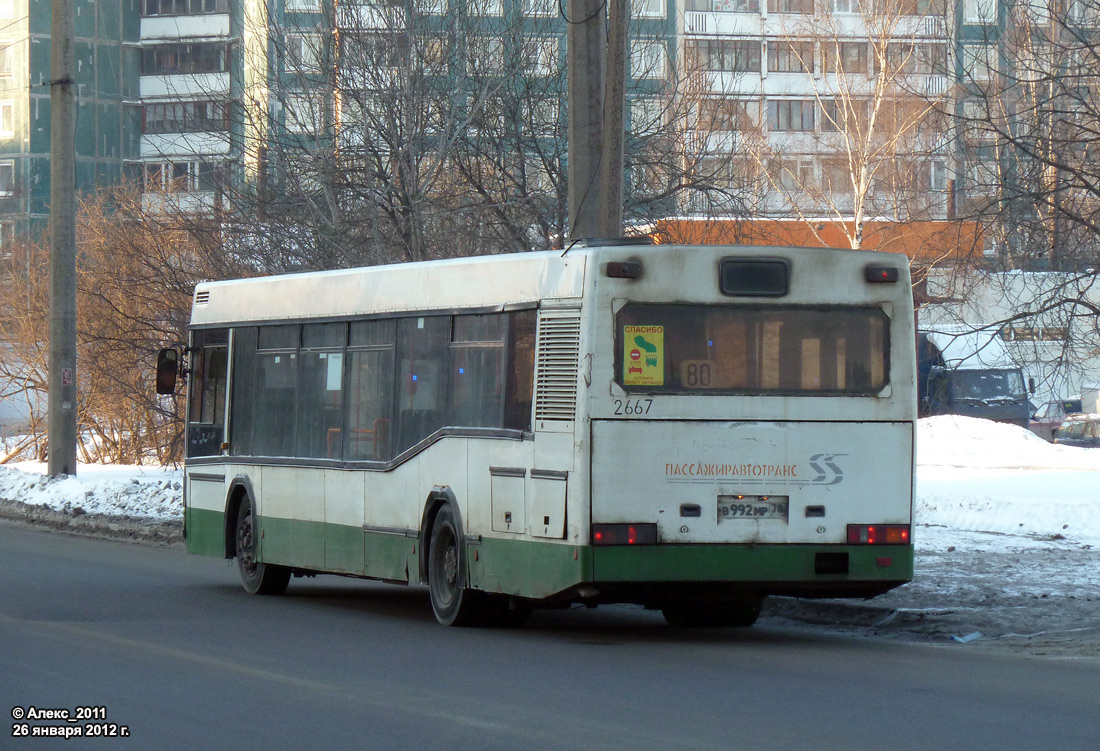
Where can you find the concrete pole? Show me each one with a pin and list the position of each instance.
(611, 204)
(585, 54)
(62, 374)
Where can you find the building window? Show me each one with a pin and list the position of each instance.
(919, 58)
(979, 61)
(186, 117)
(486, 55)
(647, 8)
(844, 116)
(735, 56)
(7, 178)
(183, 7)
(791, 115)
(724, 6)
(540, 56)
(7, 118)
(790, 57)
(836, 176)
(181, 177)
(980, 11)
(485, 7)
(802, 7)
(647, 115)
(303, 114)
(721, 115)
(170, 59)
(7, 58)
(845, 6)
(303, 53)
(844, 58)
(647, 58)
(983, 178)
(541, 116)
(540, 7)
(303, 5)
(937, 176)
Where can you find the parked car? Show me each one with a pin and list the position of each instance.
(1050, 416)
(1079, 430)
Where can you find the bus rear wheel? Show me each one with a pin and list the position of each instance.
(258, 578)
(735, 614)
(452, 602)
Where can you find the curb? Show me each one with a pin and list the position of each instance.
(145, 530)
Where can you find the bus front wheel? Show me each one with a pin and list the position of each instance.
(258, 578)
(453, 603)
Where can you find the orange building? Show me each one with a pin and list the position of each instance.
(927, 243)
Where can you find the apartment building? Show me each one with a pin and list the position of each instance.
(776, 97)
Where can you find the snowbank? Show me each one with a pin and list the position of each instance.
(114, 490)
(982, 476)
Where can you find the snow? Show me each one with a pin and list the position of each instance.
(972, 476)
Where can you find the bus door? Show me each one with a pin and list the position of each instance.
(206, 411)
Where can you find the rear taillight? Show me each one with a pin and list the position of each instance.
(624, 534)
(878, 534)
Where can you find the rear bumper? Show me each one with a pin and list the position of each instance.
(656, 573)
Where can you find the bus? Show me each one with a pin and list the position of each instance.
(688, 428)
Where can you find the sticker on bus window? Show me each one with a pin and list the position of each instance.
(644, 356)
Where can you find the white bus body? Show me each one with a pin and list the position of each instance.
(687, 427)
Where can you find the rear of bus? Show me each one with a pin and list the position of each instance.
(752, 427)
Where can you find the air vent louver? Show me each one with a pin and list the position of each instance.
(201, 298)
(558, 360)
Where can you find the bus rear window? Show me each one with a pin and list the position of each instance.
(752, 349)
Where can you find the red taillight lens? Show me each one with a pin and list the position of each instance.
(624, 534)
(878, 534)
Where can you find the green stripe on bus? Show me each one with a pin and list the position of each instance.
(336, 548)
(205, 532)
(748, 563)
(292, 542)
(527, 567)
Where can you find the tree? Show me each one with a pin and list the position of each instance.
(867, 140)
(135, 280)
(1028, 120)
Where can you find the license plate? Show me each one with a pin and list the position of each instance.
(741, 507)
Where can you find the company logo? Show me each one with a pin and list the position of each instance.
(825, 469)
(828, 472)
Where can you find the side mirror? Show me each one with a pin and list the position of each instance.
(1031, 385)
(168, 368)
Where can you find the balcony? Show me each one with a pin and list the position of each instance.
(184, 86)
(161, 28)
(722, 23)
(183, 144)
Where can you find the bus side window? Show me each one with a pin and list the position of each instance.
(244, 391)
(520, 366)
(477, 370)
(321, 391)
(276, 391)
(423, 344)
(369, 400)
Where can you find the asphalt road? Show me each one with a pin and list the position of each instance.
(170, 648)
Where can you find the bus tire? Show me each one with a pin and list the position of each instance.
(452, 602)
(258, 578)
(735, 614)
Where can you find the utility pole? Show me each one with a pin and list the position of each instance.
(61, 421)
(611, 207)
(596, 68)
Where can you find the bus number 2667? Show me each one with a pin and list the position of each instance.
(633, 408)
